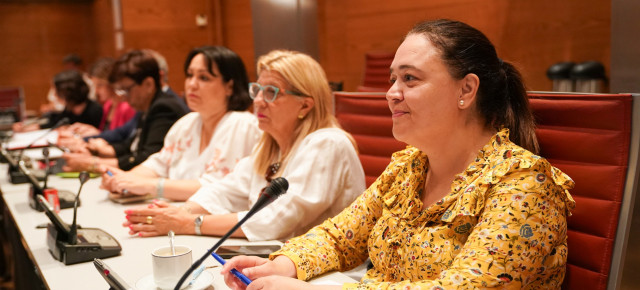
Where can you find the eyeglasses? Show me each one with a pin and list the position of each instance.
(269, 92)
(124, 91)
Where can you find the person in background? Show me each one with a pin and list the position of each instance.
(136, 76)
(116, 112)
(302, 142)
(205, 145)
(164, 77)
(127, 130)
(73, 90)
(467, 205)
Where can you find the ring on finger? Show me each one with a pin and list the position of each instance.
(149, 219)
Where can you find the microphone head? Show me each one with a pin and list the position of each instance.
(83, 176)
(279, 186)
(63, 121)
(45, 152)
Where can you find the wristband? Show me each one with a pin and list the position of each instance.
(160, 188)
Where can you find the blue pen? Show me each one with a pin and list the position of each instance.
(235, 272)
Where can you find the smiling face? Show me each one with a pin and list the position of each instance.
(206, 92)
(424, 97)
(280, 117)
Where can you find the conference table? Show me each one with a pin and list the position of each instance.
(133, 265)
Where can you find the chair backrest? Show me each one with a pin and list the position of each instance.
(12, 98)
(588, 137)
(376, 72)
(367, 117)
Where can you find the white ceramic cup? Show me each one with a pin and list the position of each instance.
(168, 268)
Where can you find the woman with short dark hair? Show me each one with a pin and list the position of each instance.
(204, 145)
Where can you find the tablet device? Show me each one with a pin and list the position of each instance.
(228, 252)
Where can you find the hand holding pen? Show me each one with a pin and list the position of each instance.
(233, 271)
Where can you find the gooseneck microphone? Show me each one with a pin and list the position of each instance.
(277, 188)
(61, 122)
(73, 233)
(47, 170)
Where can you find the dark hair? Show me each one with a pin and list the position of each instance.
(73, 59)
(502, 98)
(102, 68)
(231, 67)
(136, 65)
(71, 87)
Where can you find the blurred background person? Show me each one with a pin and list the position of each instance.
(135, 76)
(74, 91)
(302, 142)
(205, 145)
(116, 112)
(468, 205)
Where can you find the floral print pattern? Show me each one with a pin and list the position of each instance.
(503, 225)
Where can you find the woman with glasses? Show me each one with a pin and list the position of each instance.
(204, 145)
(467, 206)
(136, 76)
(302, 142)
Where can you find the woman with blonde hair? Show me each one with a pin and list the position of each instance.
(469, 205)
(302, 142)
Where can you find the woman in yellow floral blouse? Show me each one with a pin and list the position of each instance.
(467, 205)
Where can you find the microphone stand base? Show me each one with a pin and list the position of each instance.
(65, 197)
(92, 243)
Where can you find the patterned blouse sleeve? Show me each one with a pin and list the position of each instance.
(340, 243)
(159, 162)
(521, 231)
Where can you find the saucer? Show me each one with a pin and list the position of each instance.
(204, 280)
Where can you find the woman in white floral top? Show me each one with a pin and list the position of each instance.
(205, 145)
(467, 206)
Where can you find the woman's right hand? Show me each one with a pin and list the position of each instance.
(100, 147)
(256, 267)
(108, 177)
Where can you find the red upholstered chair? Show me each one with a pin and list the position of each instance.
(367, 117)
(12, 103)
(376, 72)
(588, 137)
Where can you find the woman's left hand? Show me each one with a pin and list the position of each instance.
(157, 219)
(77, 161)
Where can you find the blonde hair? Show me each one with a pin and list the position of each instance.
(305, 75)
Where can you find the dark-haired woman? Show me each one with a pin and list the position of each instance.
(205, 145)
(469, 205)
(136, 77)
(73, 91)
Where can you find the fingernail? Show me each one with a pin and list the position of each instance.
(131, 227)
(127, 211)
(139, 234)
(150, 206)
(127, 217)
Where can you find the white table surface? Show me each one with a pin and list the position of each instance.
(97, 211)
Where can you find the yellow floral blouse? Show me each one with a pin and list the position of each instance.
(503, 225)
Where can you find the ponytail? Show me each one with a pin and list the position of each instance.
(502, 98)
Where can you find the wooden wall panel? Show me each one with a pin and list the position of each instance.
(238, 32)
(533, 34)
(35, 38)
(168, 27)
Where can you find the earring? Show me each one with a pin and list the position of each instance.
(461, 102)
(301, 116)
